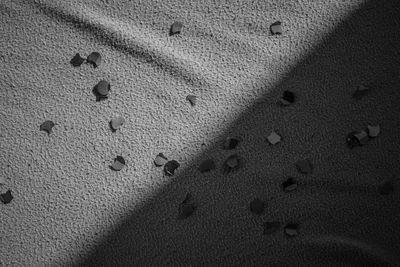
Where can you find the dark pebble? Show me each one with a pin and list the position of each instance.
(289, 185)
(191, 99)
(47, 126)
(288, 96)
(352, 141)
(186, 209)
(291, 229)
(6, 197)
(386, 188)
(77, 60)
(361, 92)
(170, 167)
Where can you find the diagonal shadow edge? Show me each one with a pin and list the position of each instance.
(151, 235)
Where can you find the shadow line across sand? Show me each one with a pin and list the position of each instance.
(363, 49)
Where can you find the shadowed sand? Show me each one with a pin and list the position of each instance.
(340, 214)
(339, 199)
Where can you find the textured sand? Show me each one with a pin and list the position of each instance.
(70, 209)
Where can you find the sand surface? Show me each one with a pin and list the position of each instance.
(71, 209)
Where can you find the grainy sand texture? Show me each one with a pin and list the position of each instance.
(87, 195)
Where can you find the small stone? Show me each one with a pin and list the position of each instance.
(276, 28)
(231, 143)
(373, 131)
(102, 88)
(232, 163)
(362, 137)
(274, 138)
(47, 126)
(176, 28)
(304, 166)
(170, 167)
(360, 92)
(186, 210)
(94, 58)
(271, 227)
(6, 197)
(187, 207)
(191, 99)
(2, 179)
(386, 188)
(207, 166)
(352, 141)
(287, 98)
(77, 60)
(118, 164)
(257, 206)
(116, 123)
(160, 160)
(291, 229)
(289, 185)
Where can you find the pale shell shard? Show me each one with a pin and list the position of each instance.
(102, 88)
(362, 137)
(94, 58)
(276, 28)
(176, 28)
(232, 163)
(160, 160)
(192, 99)
(289, 185)
(116, 123)
(273, 138)
(291, 229)
(119, 163)
(374, 131)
